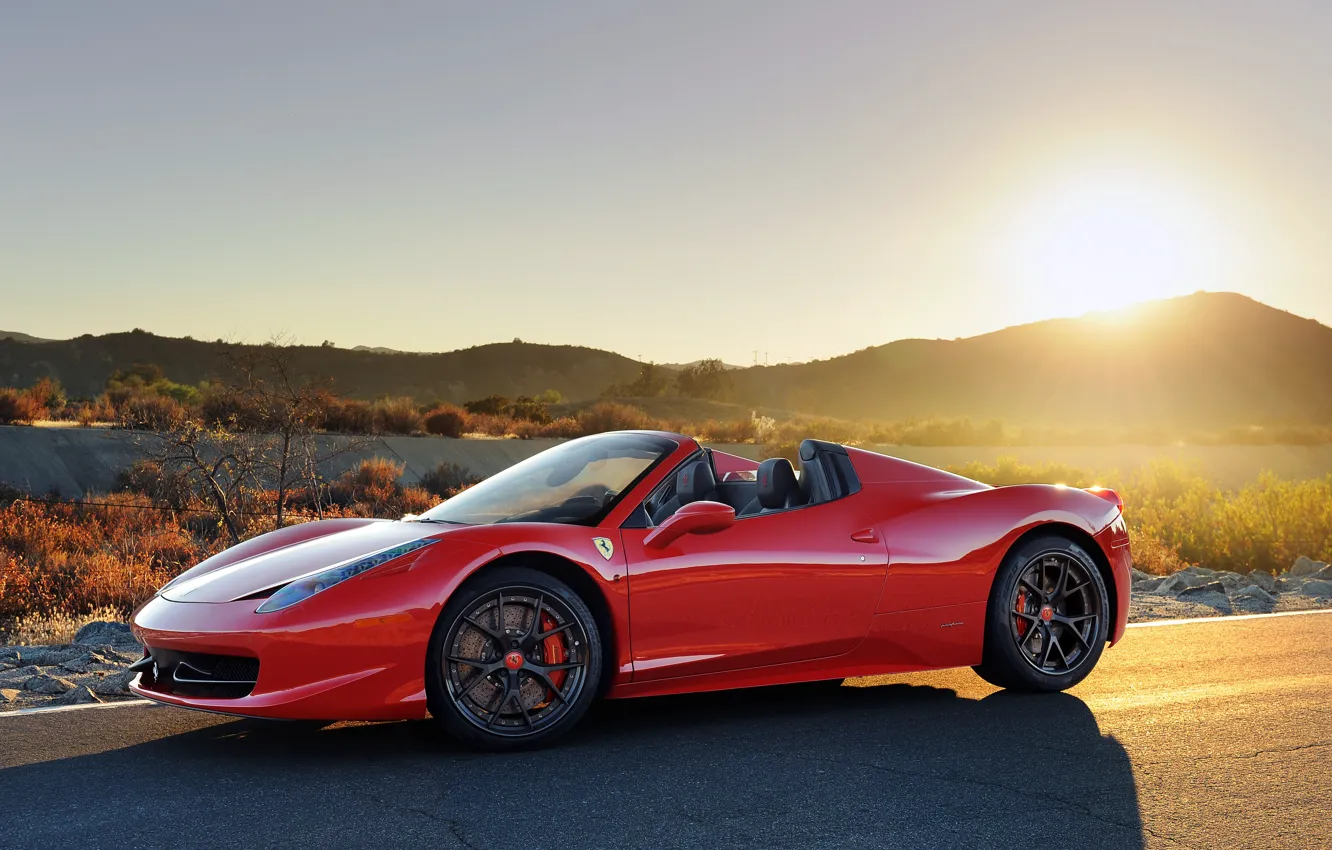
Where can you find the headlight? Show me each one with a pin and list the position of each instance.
(304, 588)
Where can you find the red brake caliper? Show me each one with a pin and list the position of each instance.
(553, 650)
(1021, 606)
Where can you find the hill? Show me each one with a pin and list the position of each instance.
(18, 337)
(510, 368)
(1208, 360)
(1203, 360)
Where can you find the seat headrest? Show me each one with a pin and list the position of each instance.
(776, 482)
(695, 482)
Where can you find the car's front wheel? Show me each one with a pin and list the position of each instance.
(514, 661)
(1047, 618)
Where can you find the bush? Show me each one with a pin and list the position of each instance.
(152, 412)
(372, 482)
(347, 416)
(448, 479)
(397, 416)
(446, 421)
(529, 409)
(610, 416)
(12, 408)
(493, 405)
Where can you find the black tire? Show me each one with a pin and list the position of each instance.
(1047, 618)
(500, 703)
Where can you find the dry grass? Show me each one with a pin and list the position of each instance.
(67, 562)
(1177, 516)
(57, 626)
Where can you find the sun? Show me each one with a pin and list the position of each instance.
(1110, 237)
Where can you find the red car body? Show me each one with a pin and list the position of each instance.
(893, 578)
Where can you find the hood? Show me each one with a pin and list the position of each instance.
(279, 566)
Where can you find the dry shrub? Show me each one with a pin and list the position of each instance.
(19, 406)
(151, 412)
(347, 416)
(448, 479)
(397, 415)
(609, 416)
(489, 425)
(1152, 556)
(92, 412)
(446, 421)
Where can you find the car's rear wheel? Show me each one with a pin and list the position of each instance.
(514, 661)
(1047, 617)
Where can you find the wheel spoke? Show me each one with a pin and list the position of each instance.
(1074, 589)
(1062, 654)
(485, 674)
(504, 699)
(491, 633)
(1058, 592)
(470, 662)
(543, 635)
(1039, 591)
(1073, 627)
(536, 619)
(1045, 651)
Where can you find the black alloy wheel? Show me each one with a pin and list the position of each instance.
(1048, 617)
(515, 660)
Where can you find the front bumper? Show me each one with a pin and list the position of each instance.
(367, 668)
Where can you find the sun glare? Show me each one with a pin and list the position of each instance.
(1109, 238)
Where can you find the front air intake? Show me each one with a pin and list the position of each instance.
(199, 674)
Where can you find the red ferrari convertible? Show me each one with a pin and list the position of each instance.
(639, 563)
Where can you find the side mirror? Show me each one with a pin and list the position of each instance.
(693, 518)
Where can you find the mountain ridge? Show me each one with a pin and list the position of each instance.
(1207, 359)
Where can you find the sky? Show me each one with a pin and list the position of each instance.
(771, 180)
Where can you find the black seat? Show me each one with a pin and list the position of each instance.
(778, 488)
(694, 483)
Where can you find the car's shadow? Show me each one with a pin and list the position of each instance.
(800, 766)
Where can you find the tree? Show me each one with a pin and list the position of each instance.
(704, 379)
(286, 410)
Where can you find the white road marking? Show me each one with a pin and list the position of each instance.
(55, 708)
(1227, 619)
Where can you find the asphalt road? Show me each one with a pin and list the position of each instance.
(1213, 734)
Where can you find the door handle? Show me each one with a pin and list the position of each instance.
(867, 535)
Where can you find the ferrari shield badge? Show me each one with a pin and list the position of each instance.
(604, 546)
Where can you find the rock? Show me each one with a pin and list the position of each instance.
(1253, 600)
(1317, 587)
(54, 655)
(1232, 581)
(1148, 586)
(75, 696)
(1199, 571)
(1305, 566)
(8, 696)
(1195, 592)
(87, 663)
(103, 633)
(1180, 581)
(1324, 574)
(44, 684)
(1136, 575)
(113, 684)
(1263, 580)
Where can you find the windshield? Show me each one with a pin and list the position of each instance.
(576, 482)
